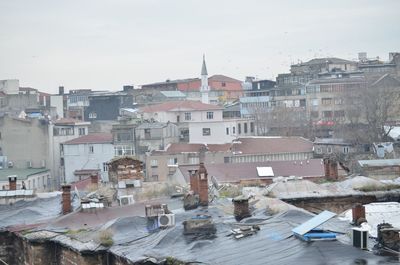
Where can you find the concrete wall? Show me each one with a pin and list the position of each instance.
(57, 101)
(77, 156)
(25, 140)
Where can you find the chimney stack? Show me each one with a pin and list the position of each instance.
(94, 179)
(203, 184)
(241, 207)
(12, 183)
(358, 212)
(331, 168)
(194, 182)
(66, 199)
(61, 90)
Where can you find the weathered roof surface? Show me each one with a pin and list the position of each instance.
(233, 173)
(273, 244)
(379, 163)
(271, 145)
(30, 212)
(22, 174)
(338, 80)
(182, 105)
(93, 138)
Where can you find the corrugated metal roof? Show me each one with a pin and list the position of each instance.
(313, 222)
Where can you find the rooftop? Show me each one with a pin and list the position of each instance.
(185, 105)
(69, 121)
(93, 138)
(234, 173)
(271, 145)
(176, 148)
(173, 94)
(379, 163)
(21, 174)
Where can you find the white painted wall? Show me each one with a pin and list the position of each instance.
(171, 116)
(57, 102)
(77, 156)
(218, 132)
(9, 86)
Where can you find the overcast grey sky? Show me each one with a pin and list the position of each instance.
(104, 44)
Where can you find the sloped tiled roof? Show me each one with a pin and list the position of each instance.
(233, 173)
(180, 106)
(93, 138)
(223, 78)
(271, 145)
(176, 148)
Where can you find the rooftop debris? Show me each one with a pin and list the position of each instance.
(307, 231)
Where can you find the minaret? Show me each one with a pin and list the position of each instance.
(204, 89)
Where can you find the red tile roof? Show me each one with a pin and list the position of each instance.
(271, 145)
(176, 148)
(233, 173)
(180, 106)
(93, 138)
(223, 78)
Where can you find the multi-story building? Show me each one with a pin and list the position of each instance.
(86, 153)
(106, 106)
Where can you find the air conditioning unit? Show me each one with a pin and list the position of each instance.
(360, 237)
(126, 200)
(165, 220)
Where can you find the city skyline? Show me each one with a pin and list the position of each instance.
(104, 45)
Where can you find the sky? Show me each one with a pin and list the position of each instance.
(105, 44)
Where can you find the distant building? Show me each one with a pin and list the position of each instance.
(106, 106)
(37, 179)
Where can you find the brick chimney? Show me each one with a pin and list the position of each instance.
(94, 179)
(66, 199)
(203, 184)
(331, 168)
(241, 207)
(358, 212)
(194, 181)
(12, 183)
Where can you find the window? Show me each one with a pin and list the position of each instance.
(154, 163)
(227, 131)
(345, 150)
(147, 134)
(329, 149)
(210, 115)
(338, 101)
(223, 84)
(92, 115)
(326, 101)
(91, 149)
(188, 116)
(327, 114)
(239, 128)
(105, 167)
(319, 150)
(339, 113)
(251, 127)
(245, 128)
(233, 129)
(193, 160)
(124, 136)
(122, 150)
(178, 118)
(227, 159)
(206, 131)
(314, 102)
(173, 161)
